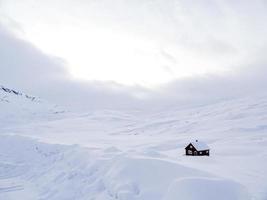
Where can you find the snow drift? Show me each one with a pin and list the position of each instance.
(71, 172)
(206, 188)
(111, 155)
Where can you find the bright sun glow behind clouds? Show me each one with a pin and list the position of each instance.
(138, 42)
(107, 55)
(102, 54)
(99, 54)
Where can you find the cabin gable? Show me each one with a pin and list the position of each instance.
(190, 146)
(190, 149)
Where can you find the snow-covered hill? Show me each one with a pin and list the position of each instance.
(110, 155)
(18, 108)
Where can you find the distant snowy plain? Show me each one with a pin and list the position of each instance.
(47, 152)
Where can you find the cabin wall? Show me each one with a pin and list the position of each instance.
(194, 152)
(203, 153)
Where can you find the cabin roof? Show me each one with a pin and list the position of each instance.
(200, 146)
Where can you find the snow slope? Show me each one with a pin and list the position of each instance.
(19, 108)
(108, 155)
(35, 170)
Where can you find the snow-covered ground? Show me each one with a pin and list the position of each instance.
(106, 155)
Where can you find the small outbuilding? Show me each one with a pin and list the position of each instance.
(197, 149)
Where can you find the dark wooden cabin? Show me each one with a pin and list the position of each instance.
(197, 149)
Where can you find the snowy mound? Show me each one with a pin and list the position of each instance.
(47, 171)
(140, 178)
(206, 189)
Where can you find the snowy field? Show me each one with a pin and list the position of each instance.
(47, 152)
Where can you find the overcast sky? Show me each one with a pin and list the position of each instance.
(129, 53)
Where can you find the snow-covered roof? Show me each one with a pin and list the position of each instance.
(200, 146)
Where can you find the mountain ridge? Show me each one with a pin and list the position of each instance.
(18, 93)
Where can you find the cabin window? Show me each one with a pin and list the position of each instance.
(200, 152)
(191, 146)
(189, 152)
(207, 151)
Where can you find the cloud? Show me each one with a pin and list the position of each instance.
(246, 82)
(169, 37)
(23, 64)
(26, 68)
(229, 34)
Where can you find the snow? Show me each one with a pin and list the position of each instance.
(200, 146)
(73, 170)
(111, 155)
(204, 188)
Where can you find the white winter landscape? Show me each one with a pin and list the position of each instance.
(98, 100)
